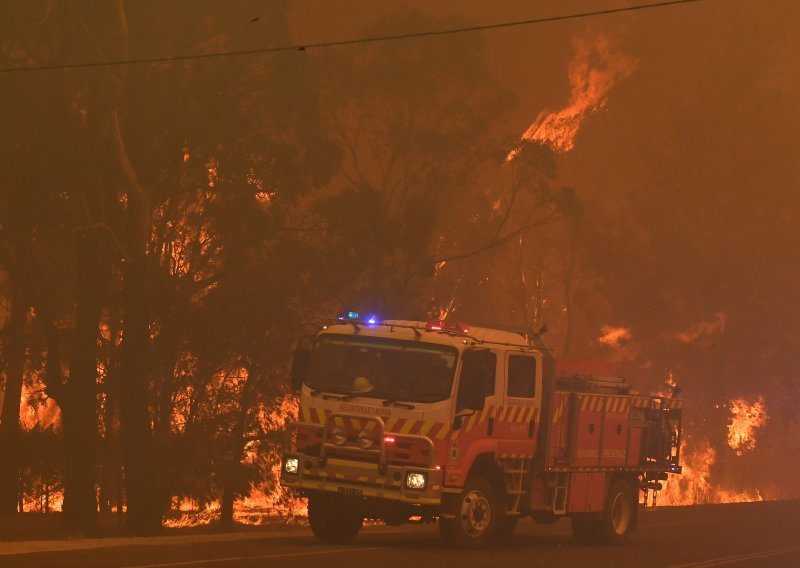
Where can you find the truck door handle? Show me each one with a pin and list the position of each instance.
(489, 426)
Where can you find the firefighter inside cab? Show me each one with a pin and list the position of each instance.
(472, 428)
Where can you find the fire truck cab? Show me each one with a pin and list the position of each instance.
(408, 421)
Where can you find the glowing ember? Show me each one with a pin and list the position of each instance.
(745, 419)
(613, 336)
(594, 69)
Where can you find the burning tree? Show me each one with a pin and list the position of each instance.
(158, 201)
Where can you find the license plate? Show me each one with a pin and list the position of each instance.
(350, 491)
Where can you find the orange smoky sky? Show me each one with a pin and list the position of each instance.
(686, 164)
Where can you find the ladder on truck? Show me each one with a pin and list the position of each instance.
(560, 484)
(517, 473)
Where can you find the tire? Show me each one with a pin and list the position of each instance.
(619, 515)
(333, 519)
(477, 516)
(614, 524)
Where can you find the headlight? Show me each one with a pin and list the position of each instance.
(415, 480)
(338, 436)
(365, 440)
(291, 465)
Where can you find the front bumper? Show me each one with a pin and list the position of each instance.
(371, 476)
(362, 479)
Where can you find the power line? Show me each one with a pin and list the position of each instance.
(374, 39)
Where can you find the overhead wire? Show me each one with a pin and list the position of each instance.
(346, 42)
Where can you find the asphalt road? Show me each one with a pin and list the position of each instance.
(738, 535)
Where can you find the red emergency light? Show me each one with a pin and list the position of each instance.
(443, 325)
(388, 440)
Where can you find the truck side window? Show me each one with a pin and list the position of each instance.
(480, 366)
(521, 376)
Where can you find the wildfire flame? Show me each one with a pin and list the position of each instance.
(37, 410)
(595, 68)
(695, 486)
(745, 419)
(267, 502)
(671, 387)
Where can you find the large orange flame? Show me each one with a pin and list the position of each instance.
(595, 68)
(695, 485)
(37, 410)
(745, 419)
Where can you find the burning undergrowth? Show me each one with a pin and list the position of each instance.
(703, 480)
(712, 453)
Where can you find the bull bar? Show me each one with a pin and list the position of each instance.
(357, 477)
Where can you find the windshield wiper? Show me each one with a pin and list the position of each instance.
(337, 392)
(397, 404)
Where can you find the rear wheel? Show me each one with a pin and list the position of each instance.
(614, 524)
(333, 519)
(619, 516)
(476, 516)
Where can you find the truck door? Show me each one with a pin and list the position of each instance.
(477, 394)
(516, 422)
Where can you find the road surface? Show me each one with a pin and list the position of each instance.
(737, 535)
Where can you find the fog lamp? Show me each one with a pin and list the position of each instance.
(415, 480)
(338, 436)
(291, 465)
(365, 440)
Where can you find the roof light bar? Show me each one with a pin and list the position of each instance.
(443, 325)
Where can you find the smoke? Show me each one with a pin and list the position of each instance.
(716, 325)
(614, 336)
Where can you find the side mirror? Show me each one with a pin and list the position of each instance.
(300, 362)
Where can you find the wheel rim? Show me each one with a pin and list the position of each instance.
(620, 514)
(476, 513)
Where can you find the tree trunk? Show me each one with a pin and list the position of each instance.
(233, 468)
(138, 448)
(110, 462)
(79, 400)
(9, 419)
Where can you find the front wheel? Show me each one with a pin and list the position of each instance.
(333, 519)
(476, 516)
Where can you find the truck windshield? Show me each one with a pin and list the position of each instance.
(382, 368)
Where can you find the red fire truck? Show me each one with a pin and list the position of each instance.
(408, 421)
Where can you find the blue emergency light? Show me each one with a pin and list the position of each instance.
(371, 319)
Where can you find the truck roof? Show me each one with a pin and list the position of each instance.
(420, 330)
